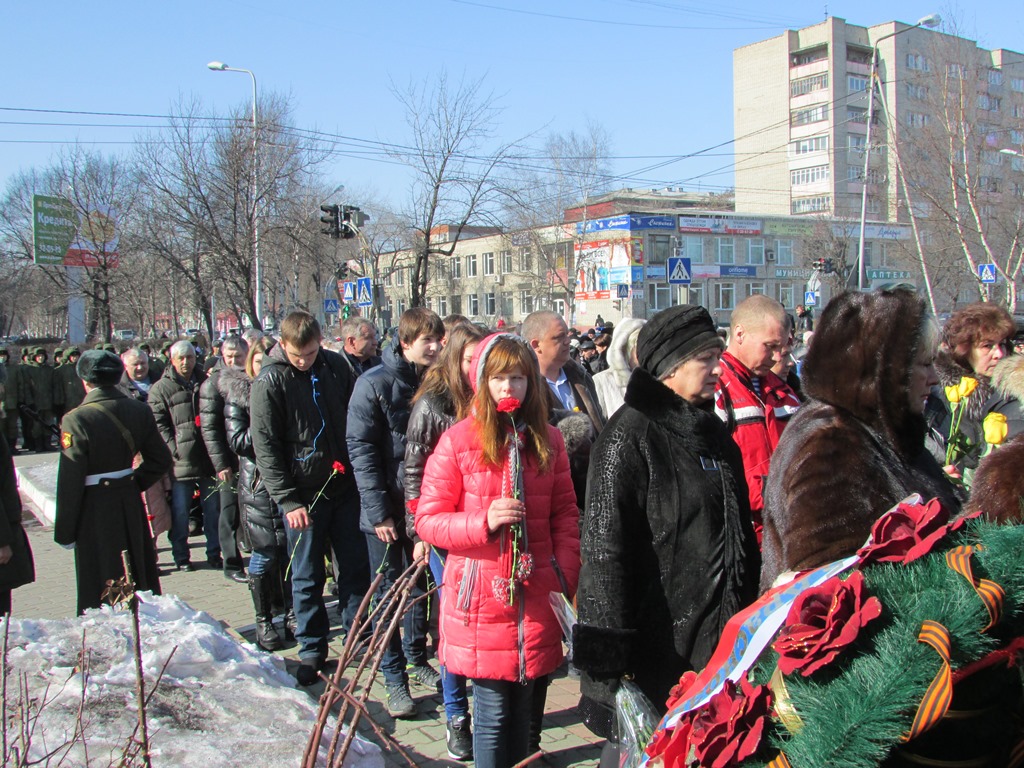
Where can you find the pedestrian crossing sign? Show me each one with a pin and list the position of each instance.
(348, 293)
(987, 273)
(364, 292)
(679, 271)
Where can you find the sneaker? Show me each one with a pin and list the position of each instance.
(459, 738)
(400, 703)
(306, 672)
(187, 567)
(424, 675)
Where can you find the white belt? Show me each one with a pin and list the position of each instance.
(95, 479)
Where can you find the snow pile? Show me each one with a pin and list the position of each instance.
(221, 702)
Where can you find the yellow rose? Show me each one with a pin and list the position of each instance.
(995, 428)
(966, 386)
(952, 394)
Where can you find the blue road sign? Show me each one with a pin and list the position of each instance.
(622, 291)
(679, 271)
(987, 273)
(348, 292)
(364, 292)
(332, 306)
(810, 298)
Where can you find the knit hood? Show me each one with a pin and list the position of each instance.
(483, 349)
(618, 354)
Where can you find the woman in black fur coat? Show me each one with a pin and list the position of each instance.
(668, 549)
(856, 447)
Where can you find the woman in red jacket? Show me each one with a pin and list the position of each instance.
(497, 495)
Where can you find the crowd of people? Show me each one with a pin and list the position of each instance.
(659, 473)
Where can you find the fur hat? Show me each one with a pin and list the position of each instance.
(100, 368)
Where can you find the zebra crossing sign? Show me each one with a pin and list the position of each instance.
(679, 271)
(364, 292)
(987, 273)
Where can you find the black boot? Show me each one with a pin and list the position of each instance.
(266, 635)
(290, 622)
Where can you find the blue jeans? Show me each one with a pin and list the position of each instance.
(181, 501)
(501, 722)
(409, 646)
(335, 524)
(453, 687)
(263, 559)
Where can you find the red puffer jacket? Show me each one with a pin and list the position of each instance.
(482, 637)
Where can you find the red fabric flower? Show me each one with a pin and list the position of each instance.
(197, 422)
(908, 532)
(680, 689)
(338, 467)
(822, 622)
(729, 728)
(672, 746)
(508, 404)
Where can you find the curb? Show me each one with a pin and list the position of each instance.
(44, 503)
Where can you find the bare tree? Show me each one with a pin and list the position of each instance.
(459, 177)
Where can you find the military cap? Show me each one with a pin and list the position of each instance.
(72, 351)
(100, 368)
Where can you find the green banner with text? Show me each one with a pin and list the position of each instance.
(54, 224)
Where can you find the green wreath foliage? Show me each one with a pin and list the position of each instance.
(855, 711)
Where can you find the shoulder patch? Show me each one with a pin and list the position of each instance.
(65, 440)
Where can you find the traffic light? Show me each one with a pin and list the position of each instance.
(332, 219)
(829, 266)
(351, 220)
(342, 271)
(818, 265)
(346, 312)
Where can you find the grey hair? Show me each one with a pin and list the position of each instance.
(139, 354)
(181, 349)
(234, 344)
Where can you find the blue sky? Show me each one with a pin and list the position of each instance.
(657, 74)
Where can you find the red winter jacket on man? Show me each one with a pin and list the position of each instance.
(755, 423)
(481, 636)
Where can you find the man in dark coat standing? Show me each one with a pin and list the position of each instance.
(669, 553)
(16, 566)
(99, 501)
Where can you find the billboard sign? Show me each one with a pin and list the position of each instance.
(54, 224)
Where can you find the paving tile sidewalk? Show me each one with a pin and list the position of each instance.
(565, 740)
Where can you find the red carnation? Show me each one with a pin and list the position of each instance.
(822, 621)
(508, 405)
(729, 728)
(908, 532)
(197, 422)
(338, 467)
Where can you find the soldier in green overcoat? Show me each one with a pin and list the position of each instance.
(99, 496)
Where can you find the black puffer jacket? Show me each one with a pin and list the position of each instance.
(211, 420)
(298, 426)
(669, 553)
(431, 416)
(175, 405)
(262, 525)
(378, 418)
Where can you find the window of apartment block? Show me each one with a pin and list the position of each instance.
(525, 302)
(955, 70)
(473, 304)
(401, 306)
(919, 62)
(400, 276)
(810, 175)
(558, 307)
(856, 83)
(990, 103)
(995, 77)
(726, 250)
(1018, 189)
(858, 115)
(455, 267)
(456, 305)
(1017, 84)
(442, 305)
(725, 295)
(917, 119)
(1016, 138)
(990, 183)
(917, 91)
(1017, 110)
(697, 294)
(856, 173)
(808, 145)
(809, 57)
(991, 157)
(692, 247)
(784, 253)
(1017, 163)
(471, 265)
(505, 306)
(809, 114)
(506, 262)
(525, 260)
(855, 142)
(659, 248)
(874, 205)
(808, 84)
(489, 263)
(786, 294)
(811, 204)
(659, 296)
(490, 304)
(756, 288)
(755, 251)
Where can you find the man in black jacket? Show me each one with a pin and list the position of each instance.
(298, 409)
(377, 422)
(174, 401)
(225, 463)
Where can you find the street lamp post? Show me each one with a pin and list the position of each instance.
(931, 22)
(219, 66)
